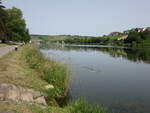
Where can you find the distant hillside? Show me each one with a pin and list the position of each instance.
(132, 36)
(39, 36)
(57, 37)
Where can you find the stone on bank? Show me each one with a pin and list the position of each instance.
(12, 93)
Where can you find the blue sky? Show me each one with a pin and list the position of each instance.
(82, 17)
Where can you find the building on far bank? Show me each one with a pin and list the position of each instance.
(148, 28)
(115, 33)
(136, 30)
(129, 31)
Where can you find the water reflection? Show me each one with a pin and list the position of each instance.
(136, 55)
(114, 77)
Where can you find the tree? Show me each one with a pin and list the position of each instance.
(133, 37)
(27, 36)
(145, 35)
(17, 26)
(3, 18)
(1, 6)
(12, 25)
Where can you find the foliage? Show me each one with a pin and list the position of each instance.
(75, 39)
(29, 108)
(51, 71)
(137, 37)
(145, 35)
(133, 37)
(12, 25)
(83, 40)
(19, 73)
(17, 26)
(3, 18)
(81, 106)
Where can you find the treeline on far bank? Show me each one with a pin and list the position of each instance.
(12, 25)
(133, 37)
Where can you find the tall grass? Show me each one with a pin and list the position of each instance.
(49, 70)
(56, 74)
(81, 106)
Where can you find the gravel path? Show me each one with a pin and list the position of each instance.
(5, 50)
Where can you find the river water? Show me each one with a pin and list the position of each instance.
(118, 78)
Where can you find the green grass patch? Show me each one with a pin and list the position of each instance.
(49, 70)
(116, 37)
(29, 108)
(14, 70)
(81, 106)
(28, 68)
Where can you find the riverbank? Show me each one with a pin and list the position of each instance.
(51, 71)
(28, 68)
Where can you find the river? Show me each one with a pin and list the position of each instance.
(118, 78)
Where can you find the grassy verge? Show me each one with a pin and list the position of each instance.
(15, 70)
(49, 70)
(79, 106)
(3, 45)
(29, 68)
(29, 108)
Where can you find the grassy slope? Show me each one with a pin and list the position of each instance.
(28, 68)
(49, 38)
(49, 70)
(16, 70)
(30, 108)
(116, 37)
(75, 107)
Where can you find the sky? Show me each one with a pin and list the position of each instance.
(82, 17)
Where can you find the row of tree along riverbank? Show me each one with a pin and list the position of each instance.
(131, 38)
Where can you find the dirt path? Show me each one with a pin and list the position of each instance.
(5, 50)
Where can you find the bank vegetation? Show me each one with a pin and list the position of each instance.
(29, 68)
